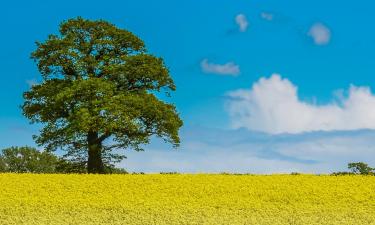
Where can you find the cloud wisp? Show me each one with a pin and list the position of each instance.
(242, 22)
(229, 68)
(214, 151)
(272, 105)
(320, 34)
(267, 16)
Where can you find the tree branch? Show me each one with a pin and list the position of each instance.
(104, 136)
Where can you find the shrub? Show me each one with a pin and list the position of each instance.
(27, 160)
(342, 173)
(295, 173)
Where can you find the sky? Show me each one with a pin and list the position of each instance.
(262, 86)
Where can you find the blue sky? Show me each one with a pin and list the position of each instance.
(258, 70)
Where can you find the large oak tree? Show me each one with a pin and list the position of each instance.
(98, 93)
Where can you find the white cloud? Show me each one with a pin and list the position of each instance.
(242, 22)
(229, 68)
(320, 34)
(267, 16)
(272, 105)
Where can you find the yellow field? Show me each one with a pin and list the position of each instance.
(186, 199)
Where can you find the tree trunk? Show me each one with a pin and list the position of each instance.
(94, 162)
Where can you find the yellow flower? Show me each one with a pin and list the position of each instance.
(186, 199)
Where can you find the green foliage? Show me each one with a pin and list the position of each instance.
(3, 165)
(360, 168)
(138, 173)
(169, 173)
(66, 166)
(30, 160)
(98, 94)
(27, 160)
(115, 170)
(342, 173)
(295, 173)
(357, 168)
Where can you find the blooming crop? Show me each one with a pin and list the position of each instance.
(186, 199)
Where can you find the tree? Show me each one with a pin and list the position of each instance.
(27, 160)
(99, 94)
(360, 168)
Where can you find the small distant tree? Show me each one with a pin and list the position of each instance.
(360, 168)
(27, 160)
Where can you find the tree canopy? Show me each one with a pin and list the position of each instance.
(98, 94)
(360, 168)
(27, 160)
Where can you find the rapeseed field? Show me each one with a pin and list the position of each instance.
(186, 199)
